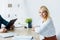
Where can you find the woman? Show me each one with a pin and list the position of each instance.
(47, 28)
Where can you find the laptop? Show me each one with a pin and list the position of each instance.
(10, 23)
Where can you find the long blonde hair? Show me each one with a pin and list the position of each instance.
(45, 9)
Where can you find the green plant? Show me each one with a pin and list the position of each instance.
(28, 20)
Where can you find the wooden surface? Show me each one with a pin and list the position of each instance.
(23, 31)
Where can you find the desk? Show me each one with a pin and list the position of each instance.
(23, 31)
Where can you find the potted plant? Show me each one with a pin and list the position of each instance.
(29, 21)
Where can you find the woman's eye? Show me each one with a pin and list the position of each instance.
(43, 12)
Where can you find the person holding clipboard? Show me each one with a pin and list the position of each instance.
(8, 25)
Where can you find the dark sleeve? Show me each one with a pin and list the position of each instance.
(3, 21)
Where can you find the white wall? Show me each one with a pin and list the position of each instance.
(30, 8)
(53, 6)
(14, 11)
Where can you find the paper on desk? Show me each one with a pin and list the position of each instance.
(22, 38)
(6, 35)
(18, 26)
(41, 37)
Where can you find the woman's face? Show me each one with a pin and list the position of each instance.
(43, 13)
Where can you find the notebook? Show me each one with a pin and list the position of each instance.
(10, 23)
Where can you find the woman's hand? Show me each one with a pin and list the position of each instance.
(3, 30)
(33, 28)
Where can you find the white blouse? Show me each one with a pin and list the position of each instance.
(46, 29)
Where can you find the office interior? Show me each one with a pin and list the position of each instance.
(22, 9)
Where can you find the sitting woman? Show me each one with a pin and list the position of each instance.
(5, 29)
(46, 28)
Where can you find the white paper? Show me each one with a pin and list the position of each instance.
(6, 35)
(22, 38)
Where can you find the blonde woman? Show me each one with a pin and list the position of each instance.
(46, 29)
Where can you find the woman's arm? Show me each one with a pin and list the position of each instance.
(43, 27)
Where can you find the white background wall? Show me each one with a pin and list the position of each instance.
(30, 8)
(14, 11)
